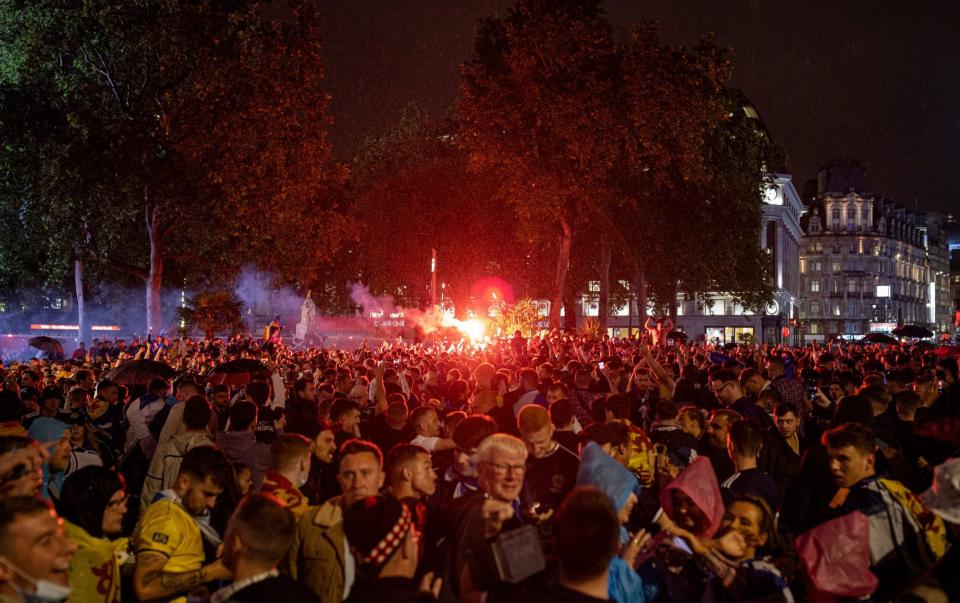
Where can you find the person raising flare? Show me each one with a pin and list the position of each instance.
(168, 540)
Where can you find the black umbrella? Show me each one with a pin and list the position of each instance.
(238, 372)
(140, 372)
(913, 331)
(879, 338)
(47, 344)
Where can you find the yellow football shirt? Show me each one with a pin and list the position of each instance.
(168, 529)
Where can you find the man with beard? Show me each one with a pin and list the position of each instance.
(168, 540)
(715, 446)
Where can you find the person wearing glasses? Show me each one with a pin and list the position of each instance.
(92, 504)
(494, 508)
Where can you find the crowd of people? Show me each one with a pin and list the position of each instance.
(550, 468)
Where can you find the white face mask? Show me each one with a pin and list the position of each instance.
(44, 591)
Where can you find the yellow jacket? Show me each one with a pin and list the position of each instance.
(95, 567)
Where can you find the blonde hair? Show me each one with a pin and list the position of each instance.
(501, 441)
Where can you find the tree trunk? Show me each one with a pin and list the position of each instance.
(560, 280)
(640, 292)
(606, 257)
(571, 310)
(83, 329)
(155, 276)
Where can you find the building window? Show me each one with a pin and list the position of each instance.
(814, 328)
(835, 267)
(836, 310)
(814, 286)
(851, 286)
(815, 309)
(803, 265)
(835, 214)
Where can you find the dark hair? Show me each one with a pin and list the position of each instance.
(878, 396)
(853, 409)
(596, 432)
(419, 413)
(219, 389)
(586, 533)
(11, 408)
(724, 375)
(258, 391)
(783, 408)
(12, 509)
(257, 517)
(104, 384)
(690, 410)
(619, 433)
(561, 412)
(851, 434)
(205, 462)
(242, 415)
(619, 406)
(196, 412)
(399, 457)
(301, 384)
(85, 495)
(473, 430)
(768, 523)
(356, 446)
(908, 400)
(340, 407)
(157, 385)
(746, 436)
(666, 410)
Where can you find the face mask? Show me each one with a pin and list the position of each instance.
(45, 591)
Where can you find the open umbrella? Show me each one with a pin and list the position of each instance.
(879, 338)
(948, 351)
(238, 372)
(140, 372)
(913, 331)
(47, 344)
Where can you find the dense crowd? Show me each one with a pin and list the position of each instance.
(551, 468)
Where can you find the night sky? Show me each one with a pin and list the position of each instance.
(873, 80)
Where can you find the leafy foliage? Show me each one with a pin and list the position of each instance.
(213, 312)
(522, 315)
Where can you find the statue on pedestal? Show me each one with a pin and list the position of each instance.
(308, 312)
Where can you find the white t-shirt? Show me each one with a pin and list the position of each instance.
(428, 442)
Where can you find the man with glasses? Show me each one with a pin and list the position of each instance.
(495, 508)
(726, 385)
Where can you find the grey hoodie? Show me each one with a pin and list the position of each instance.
(242, 447)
